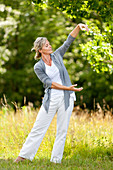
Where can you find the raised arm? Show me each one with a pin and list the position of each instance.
(76, 30)
(62, 49)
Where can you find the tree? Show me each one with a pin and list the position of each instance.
(22, 23)
(20, 27)
(99, 50)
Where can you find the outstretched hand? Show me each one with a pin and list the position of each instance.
(83, 27)
(72, 88)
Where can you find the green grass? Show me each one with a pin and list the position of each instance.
(89, 142)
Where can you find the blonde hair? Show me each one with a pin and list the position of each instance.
(38, 43)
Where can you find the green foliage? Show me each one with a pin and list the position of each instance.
(21, 22)
(20, 27)
(3, 58)
(98, 49)
(103, 10)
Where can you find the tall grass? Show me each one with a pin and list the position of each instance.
(89, 142)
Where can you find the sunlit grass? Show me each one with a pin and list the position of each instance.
(89, 141)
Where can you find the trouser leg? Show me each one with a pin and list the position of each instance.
(63, 118)
(37, 133)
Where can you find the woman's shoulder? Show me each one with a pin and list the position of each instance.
(37, 65)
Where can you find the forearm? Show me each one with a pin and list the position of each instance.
(59, 86)
(75, 31)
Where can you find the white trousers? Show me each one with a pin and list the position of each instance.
(41, 125)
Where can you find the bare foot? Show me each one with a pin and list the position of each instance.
(19, 159)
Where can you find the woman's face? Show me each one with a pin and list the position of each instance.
(46, 48)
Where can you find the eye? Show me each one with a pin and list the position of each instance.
(47, 45)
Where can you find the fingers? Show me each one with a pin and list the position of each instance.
(84, 27)
(81, 88)
(78, 89)
(80, 26)
(74, 85)
(87, 29)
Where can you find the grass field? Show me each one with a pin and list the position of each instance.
(89, 142)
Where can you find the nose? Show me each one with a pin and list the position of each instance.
(50, 46)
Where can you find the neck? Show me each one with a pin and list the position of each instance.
(46, 57)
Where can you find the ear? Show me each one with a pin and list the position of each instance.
(40, 51)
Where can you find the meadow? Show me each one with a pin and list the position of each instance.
(89, 142)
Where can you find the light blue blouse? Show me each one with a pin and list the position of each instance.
(57, 58)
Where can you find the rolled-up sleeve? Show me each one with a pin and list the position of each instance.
(62, 49)
(43, 77)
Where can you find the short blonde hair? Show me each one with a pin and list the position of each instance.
(38, 43)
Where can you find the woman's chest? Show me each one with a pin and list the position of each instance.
(52, 71)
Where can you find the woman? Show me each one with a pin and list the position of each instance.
(59, 97)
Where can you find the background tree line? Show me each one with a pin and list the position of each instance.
(89, 60)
